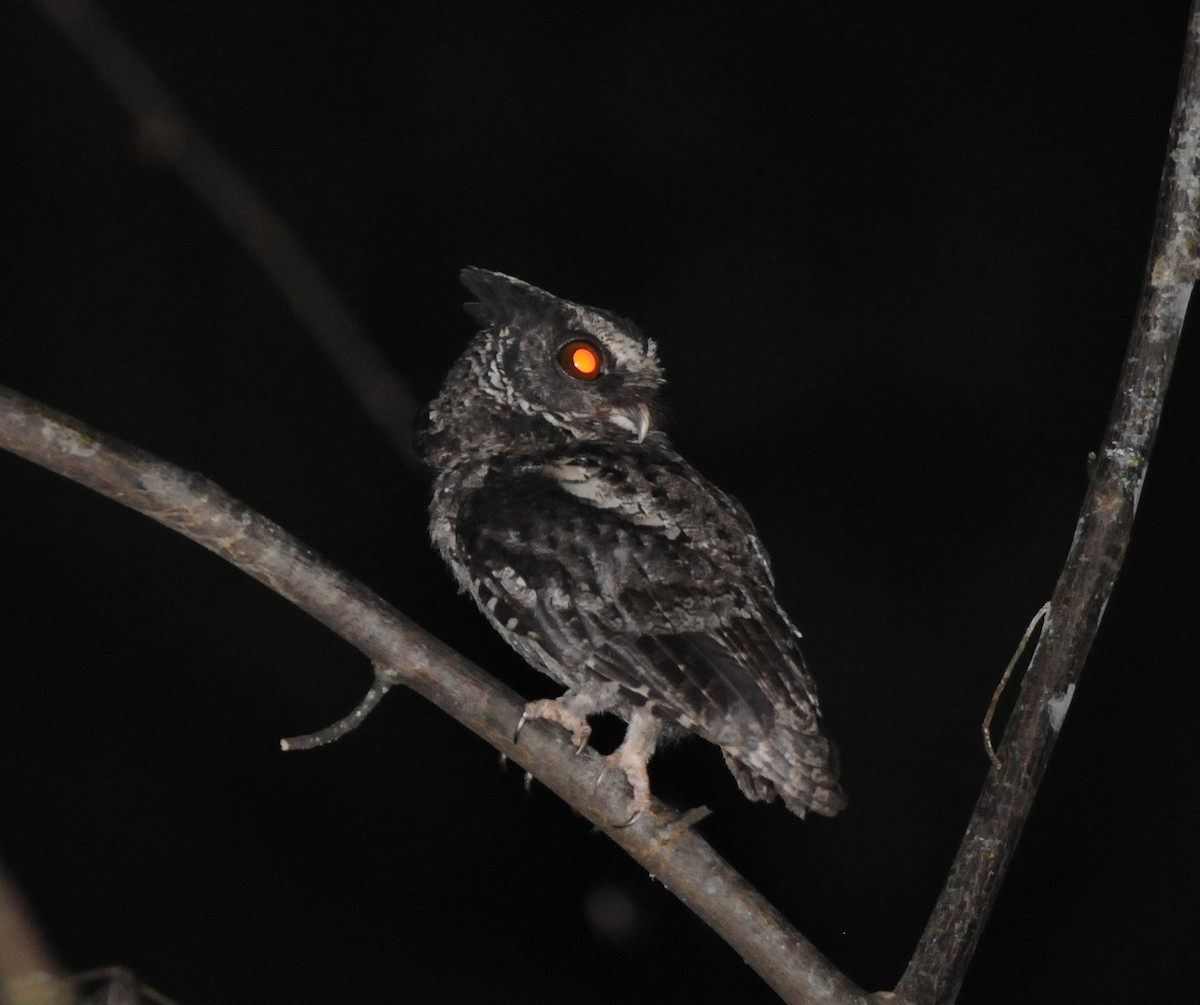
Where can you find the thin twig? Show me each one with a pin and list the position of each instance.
(385, 679)
(200, 510)
(986, 725)
(936, 970)
(169, 134)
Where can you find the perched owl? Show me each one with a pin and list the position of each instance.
(605, 559)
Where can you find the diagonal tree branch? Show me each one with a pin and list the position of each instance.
(939, 964)
(660, 841)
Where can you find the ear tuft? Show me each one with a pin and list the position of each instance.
(503, 298)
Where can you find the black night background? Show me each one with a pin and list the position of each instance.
(891, 255)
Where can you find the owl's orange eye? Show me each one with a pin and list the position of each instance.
(581, 360)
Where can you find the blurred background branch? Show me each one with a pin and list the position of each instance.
(169, 135)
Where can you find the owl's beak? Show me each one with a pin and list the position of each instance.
(633, 418)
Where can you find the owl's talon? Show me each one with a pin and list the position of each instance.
(557, 711)
(637, 806)
(520, 725)
(634, 817)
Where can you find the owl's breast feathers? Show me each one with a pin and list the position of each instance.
(627, 566)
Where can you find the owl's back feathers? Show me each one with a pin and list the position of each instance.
(604, 558)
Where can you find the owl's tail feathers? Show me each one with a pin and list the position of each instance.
(800, 768)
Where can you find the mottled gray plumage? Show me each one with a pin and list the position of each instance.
(605, 559)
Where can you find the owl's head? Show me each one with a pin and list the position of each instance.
(544, 362)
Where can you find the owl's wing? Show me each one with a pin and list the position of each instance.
(646, 576)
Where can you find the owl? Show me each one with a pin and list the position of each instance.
(605, 559)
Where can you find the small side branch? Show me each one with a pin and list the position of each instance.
(939, 964)
(385, 678)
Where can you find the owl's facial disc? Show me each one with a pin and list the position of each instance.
(582, 360)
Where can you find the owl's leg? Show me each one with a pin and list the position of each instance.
(633, 756)
(572, 709)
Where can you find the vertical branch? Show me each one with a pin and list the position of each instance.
(938, 966)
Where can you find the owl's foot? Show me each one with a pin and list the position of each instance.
(633, 756)
(562, 713)
(572, 709)
(638, 777)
